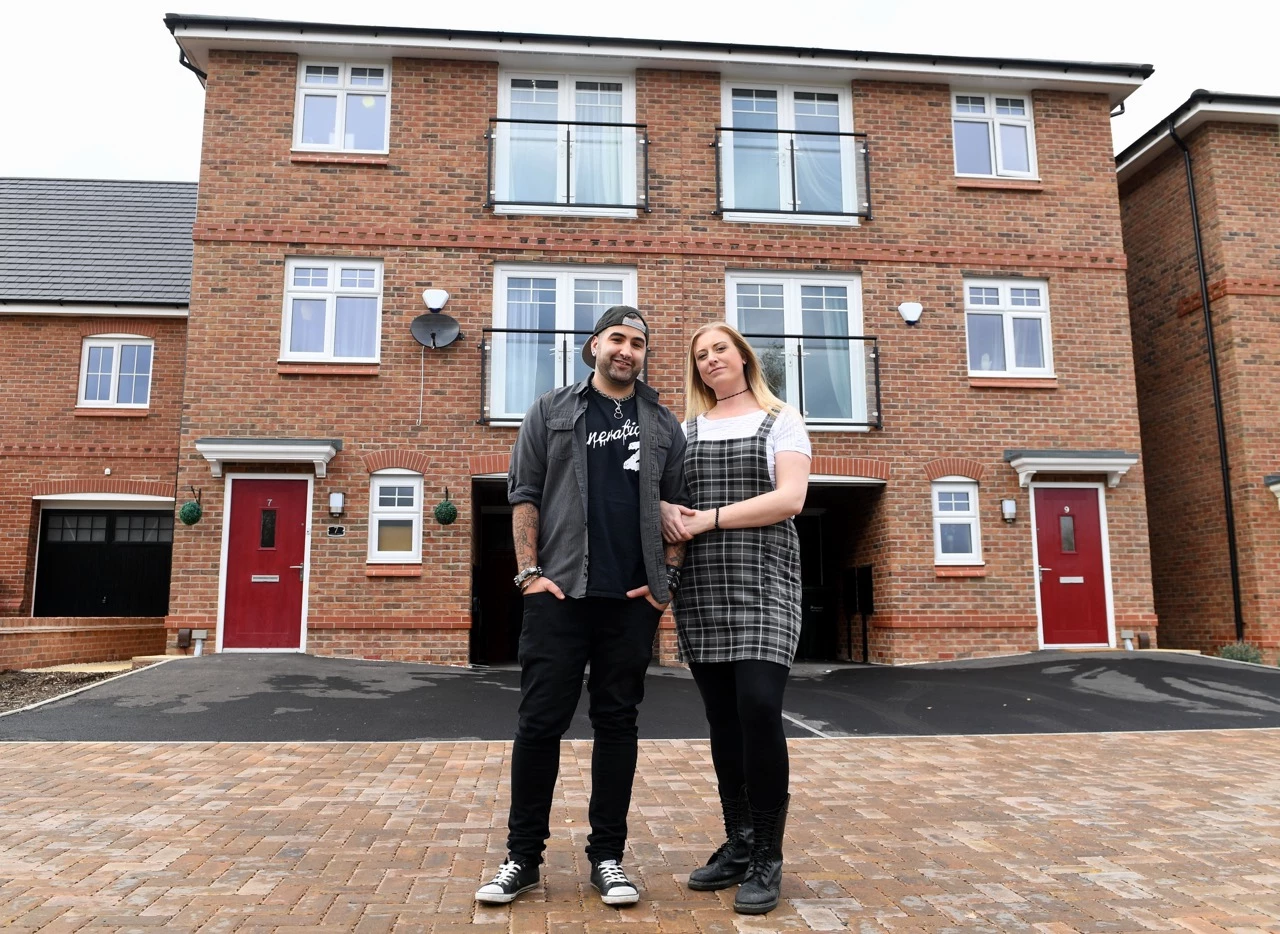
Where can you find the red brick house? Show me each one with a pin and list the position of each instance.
(1205, 595)
(926, 249)
(94, 278)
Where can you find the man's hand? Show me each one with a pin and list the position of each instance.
(644, 592)
(673, 527)
(543, 585)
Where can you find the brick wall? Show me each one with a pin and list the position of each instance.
(421, 212)
(46, 641)
(1235, 171)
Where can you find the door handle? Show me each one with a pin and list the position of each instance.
(298, 568)
(1041, 569)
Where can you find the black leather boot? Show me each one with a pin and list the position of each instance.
(728, 864)
(760, 889)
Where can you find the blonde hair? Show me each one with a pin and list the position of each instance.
(699, 397)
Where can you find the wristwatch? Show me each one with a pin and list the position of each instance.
(526, 575)
(673, 578)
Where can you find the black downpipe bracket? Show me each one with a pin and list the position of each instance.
(1217, 386)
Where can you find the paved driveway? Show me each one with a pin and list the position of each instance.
(281, 698)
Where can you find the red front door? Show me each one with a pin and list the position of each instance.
(1073, 592)
(265, 549)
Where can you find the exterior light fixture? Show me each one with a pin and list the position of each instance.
(910, 311)
(337, 502)
(1009, 510)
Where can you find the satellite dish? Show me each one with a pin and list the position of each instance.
(434, 330)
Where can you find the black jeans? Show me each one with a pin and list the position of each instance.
(558, 639)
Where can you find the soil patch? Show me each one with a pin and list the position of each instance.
(21, 688)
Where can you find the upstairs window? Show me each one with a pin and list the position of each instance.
(566, 141)
(395, 517)
(115, 371)
(955, 522)
(332, 311)
(342, 107)
(1007, 324)
(994, 135)
(788, 150)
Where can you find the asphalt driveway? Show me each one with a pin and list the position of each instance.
(301, 698)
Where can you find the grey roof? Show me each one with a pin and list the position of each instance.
(80, 241)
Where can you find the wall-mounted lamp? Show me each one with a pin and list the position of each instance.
(910, 311)
(337, 502)
(1008, 509)
(435, 299)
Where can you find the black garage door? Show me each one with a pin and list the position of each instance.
(103, 563)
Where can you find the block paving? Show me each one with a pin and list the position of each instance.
(1047, 833)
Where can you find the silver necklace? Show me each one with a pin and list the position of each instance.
(617, 403)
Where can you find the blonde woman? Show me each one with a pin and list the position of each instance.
(738, 606)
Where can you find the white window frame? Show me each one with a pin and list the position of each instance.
(395, 476)
(329, 293)
(993, 121)
(786, 120)
(1008, 312)
(792, 284)
(564, 277)
(340, 91)
(565, 111)
(969, 517)
(116, 342)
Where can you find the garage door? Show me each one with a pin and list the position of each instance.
(103, 563)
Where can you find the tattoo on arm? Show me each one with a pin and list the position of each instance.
(674, 553)
(524, 527)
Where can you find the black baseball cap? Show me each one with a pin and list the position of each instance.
(618, 314)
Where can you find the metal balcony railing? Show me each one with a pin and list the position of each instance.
(567, 163)
(767, 171)
(833, 379)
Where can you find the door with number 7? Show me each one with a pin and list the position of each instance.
(1073, 588)
(265, 568)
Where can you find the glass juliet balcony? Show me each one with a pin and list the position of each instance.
(834, 380)
(808, 172)
(568, 164)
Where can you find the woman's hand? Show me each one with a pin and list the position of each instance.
(673, 526)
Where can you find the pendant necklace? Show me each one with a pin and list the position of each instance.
(617, 403)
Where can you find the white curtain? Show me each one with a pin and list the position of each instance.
(818, 158)
(530, 363)
(755, 155)
(532, 147)
(597, 150)
(828, 364)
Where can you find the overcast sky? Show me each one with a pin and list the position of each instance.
(94, 90)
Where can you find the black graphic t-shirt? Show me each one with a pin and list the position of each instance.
(615, 558)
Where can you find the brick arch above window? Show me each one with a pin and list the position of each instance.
(104, 485)
(131, 326)
(954, 467)
(398, 460)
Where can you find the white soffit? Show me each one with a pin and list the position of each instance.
(1202, 113)
(825, 479)
(316, 452)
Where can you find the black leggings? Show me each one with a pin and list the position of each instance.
(744, 709)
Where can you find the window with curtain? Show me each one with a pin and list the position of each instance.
(342, 107)
(565, 145)
(800, 327)
(994, 135)
(115, 371)
(544, 315)
(395, 517)
(955, 522)
(777, 155)
(1007, 327)
(332, 310)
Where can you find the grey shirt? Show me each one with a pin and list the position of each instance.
(549, 470)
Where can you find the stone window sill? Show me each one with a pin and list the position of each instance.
(1001, 184)
(90, 412)
(959, 570)
(338, 158)
(393, 570)
(327, 369)
(996, 382)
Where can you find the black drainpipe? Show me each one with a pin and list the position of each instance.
(1217, 387)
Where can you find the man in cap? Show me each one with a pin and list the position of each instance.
(589, 468)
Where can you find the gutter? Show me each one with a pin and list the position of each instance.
(1214, 380)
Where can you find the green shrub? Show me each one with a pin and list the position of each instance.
(1241, 652)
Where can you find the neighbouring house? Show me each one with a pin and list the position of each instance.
(94, 279)
(1226, 149)
(405, 234)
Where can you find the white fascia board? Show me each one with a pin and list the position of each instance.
(105, 500)
(316, 453)
(1028, 465)
(1201, 113)
(548, 54)
(822, 479)
(87, 309)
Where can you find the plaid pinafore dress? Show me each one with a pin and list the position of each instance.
(739, 595)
